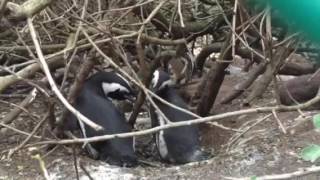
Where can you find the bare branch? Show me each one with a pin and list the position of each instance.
(53, 84)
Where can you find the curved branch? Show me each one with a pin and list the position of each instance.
(27, 9)
(53, 84)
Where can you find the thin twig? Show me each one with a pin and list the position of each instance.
(299, 173)
(19, 131)
(279, 122)
(75, 162)
(246, 130)
(53, 85)
(42, 167)
(30, 136)
(184, 123)
(3, 6)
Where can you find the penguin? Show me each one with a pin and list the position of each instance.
(177, 145)
(95, 102)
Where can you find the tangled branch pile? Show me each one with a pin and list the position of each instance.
(67, 40)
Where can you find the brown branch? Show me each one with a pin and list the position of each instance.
(3, 6)
(183, 123)
(272, 68)
(27, 9)
(213, 80)
(16, 111)
(242, 86)
(205, 53)
(52, 83)
(293, 175)
(75, 89)
(34, 131)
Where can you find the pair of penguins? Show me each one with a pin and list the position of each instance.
(177, 145)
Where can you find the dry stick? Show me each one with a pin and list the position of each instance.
(18, 110)
(10, 96)
(143, 66)
(19, 131)
(173, 17)
(180, 14)
(263, 44)
(246, 130)
(272, 67)
(237, 36)
(42, 166)
(76, 87)
(85, 171)
(32, 116)
(292, 175)
(242, 86)
(173, 106)
(123, 34)
(52, 83)
(152, 14)
(24, 44)
(75, 161)
(84, 10)
(234, 24)
(3, 6)
(33, 67)
(30, 136)
(31, 83)
(52, 59)
(143, 93)
(279, 122)
(184, 123)
(132, 7)
(68, 68)
(139, 84)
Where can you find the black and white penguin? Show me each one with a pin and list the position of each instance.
(95, 102)
(180, 144)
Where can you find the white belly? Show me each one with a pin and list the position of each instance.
(160, 140)
(161, 144)
(91, 150)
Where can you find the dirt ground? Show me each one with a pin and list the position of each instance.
(263, 150)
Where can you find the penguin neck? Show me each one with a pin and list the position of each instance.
(96, 88)
(171, 95)
(168, 93)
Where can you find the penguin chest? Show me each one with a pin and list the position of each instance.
(91, 150)
(161, 144)
(160, 138)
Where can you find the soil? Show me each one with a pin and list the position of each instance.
(263, 150)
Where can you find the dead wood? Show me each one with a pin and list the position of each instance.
(271, 70)
(241, 87)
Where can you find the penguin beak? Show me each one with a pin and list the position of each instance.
(131, 98)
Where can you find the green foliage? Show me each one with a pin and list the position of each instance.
(311, 153)
(316, 121)
(253, 178)
(304, 14)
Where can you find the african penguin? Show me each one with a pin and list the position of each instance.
(180, 144)
(95, 102)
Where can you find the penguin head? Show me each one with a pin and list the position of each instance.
(160, 81)
(113, 85)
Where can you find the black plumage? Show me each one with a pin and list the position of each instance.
(182, 143)
(95, 104)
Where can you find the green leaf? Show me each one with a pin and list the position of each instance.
(253, 178)
(304, 14)
(316, 121)
(311, 153)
